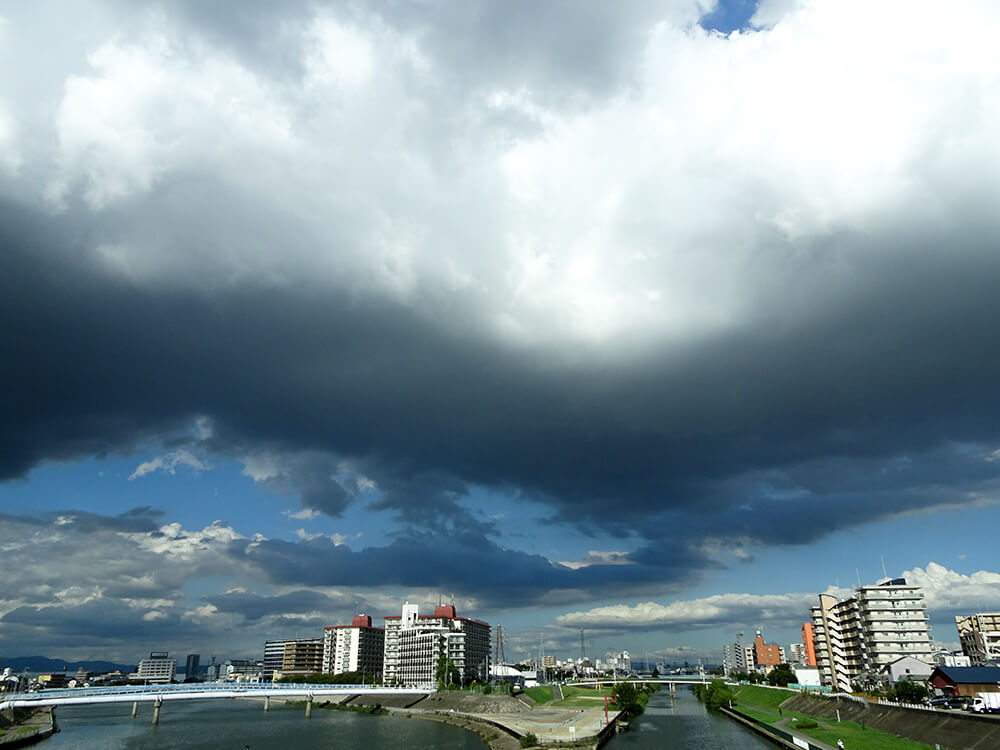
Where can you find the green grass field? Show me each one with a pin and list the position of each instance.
(540, 694)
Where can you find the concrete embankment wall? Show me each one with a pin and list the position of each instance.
(951, 730)
(33, 725)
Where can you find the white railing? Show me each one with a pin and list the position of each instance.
(196, 691)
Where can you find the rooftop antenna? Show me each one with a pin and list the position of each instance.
(858, 572)
(884, 574)
(583, 653)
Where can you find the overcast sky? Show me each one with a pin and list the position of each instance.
(651, 318)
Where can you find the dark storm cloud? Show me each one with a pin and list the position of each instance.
(340, 266)
(98, 622)
(828, 398)
(254, 607)
(464, 562)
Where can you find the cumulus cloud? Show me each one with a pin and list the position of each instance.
(946, 593)
(169, 463)
(721, 609)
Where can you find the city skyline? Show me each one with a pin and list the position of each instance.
(655, 319)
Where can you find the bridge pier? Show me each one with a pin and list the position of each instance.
(156, 711)
(673, 689)
(135, 708)
(309, 707)
(267, 702)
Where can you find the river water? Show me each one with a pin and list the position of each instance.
(683, 722)
(679, 722)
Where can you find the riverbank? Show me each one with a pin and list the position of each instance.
(501, 720)
(27, 726)
(815, 719)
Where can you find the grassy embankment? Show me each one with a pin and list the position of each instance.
(579, 697)
(763, 704)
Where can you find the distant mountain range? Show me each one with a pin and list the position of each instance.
(45, 664)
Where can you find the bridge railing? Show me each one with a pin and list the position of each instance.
(227, 688)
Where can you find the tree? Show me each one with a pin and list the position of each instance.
(910, 692)
(715, 695)
(627, 699)
(447, 673)
(781, 675)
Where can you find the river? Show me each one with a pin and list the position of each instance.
(681, 722)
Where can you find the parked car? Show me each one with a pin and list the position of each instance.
(939, 701)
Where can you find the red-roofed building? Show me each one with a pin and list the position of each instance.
(357, 647)
(415, 643)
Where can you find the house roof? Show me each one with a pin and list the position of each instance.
(967, 675)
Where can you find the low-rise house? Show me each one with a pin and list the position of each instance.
(906, 668)
(967, 681)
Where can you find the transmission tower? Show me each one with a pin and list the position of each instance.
(498, 639)
(541, 656)
(583, 653)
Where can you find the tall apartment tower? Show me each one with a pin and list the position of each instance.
(980, 637)
(415, 643)
(357, 647)
(738, 657)
(808, 644)
(879, 624)
(296, 656)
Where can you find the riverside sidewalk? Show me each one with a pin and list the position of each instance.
(553, 724)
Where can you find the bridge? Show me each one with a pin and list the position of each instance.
(681, 680)
(157, 694)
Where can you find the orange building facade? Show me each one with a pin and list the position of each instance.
(810, 646)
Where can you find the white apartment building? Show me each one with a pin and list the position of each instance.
(357, 647)
(158, 668)
(798, 652)
(980, 637)
(855, 637)
(415, 643)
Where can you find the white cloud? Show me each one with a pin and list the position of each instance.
(169, 462)
(946, 590)
(173, 541)
(702, 182)
(337, 539)
(10, 157)
(152, 106)
(598, 557)
(306, 514)
(695, 613)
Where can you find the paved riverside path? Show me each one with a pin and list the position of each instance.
(554, 724)
(557, 693)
